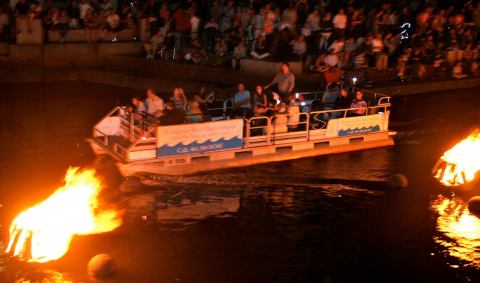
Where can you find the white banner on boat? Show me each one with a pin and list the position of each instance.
(356, 125)
(199, 137)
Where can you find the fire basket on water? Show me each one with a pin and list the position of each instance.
(459, 164)
(43, 232)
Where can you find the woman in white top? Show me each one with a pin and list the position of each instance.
(280, 120)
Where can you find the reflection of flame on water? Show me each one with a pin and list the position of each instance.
(460, 229)
(48, 276)
(459, 164)
(44, 231)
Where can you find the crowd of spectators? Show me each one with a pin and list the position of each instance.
(95, 17)
(327, 36)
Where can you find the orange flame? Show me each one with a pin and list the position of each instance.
(43, 232)
(459, 164)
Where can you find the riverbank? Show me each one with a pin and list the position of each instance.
(119, 66)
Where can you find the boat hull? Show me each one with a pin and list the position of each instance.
(191, 164)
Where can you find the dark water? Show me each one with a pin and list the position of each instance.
(322, 219)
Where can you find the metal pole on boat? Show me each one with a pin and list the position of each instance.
(130, 132)
(354, 80)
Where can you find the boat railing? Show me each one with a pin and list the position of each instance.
(260, 128)
(379, 97)
(100, 136)
(120, 150)
(148, 139)
(318, 95)
(288, 128)
(111, 113)
(224, 109)
(311, 95)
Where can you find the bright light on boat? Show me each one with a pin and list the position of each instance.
(354, 79)
(278, 101)
(303, 103)
(43, 232)
(297, 95)
(459, 164)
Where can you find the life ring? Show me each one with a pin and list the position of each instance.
(211, 97)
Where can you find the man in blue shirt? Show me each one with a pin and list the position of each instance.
(242, 102)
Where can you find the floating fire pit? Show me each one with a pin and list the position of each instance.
(43, 232)
(460, 164)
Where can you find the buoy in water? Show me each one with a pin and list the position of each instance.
(101, 266)
(474, 205)
(397, 181)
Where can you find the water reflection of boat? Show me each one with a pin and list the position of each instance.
(459, 230)
(141, 145)
(182, 206)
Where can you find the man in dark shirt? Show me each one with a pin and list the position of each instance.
(342, 102)
(172, 115)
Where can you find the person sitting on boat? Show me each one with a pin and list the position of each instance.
(172, 115)
(280, 120)
(242, 102)
(155, 105)
(179, 98)
(293, 110)
(260, 99)
(359, 104)
(138, 105)
(284, 80)
(203, 98)
(194, 113)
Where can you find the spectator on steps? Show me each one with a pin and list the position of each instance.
(260, 49)
(113, 20)
(154, 45)
(239, 53)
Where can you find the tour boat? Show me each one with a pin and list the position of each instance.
(142, 146)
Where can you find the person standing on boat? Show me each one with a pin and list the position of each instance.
(242, 102)
(155, 105)
(284, 80)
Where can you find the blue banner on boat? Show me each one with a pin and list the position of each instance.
(195, 147)
(199, 137)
